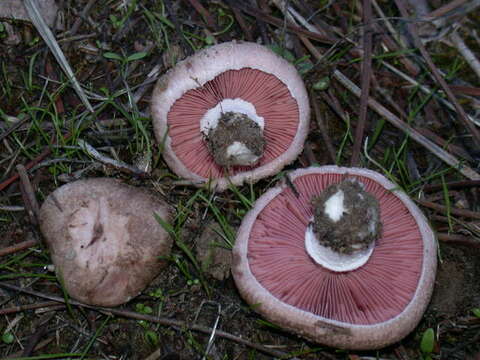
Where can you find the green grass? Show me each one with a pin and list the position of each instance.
(95, 336)
(175, 230)
(346, 138)
(186, 261)
(53, 356)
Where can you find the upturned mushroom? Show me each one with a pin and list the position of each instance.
(104, 239)
(343, 258)
(231, 113)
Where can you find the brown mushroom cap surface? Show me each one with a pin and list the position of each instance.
(232, 70)
(104, 240)
(366, 308)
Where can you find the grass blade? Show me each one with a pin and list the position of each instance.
(52, 43)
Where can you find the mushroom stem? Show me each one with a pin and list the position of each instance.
(333, 260)
(234, 133)
(345, 225)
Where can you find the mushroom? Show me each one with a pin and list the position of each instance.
(363, 289)
(231, 113)
(104, 239)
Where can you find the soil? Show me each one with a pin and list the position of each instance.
(357, 226)
(235, 127)
(212, 254)
(456, 293)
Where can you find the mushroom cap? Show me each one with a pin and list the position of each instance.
(367, 308)
(104, 240)
(232, 70)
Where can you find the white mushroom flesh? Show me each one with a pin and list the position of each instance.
(334, 206)
(242, 154)
(209, 121)
(331, 259)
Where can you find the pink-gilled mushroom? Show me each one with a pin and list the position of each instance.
(354, 291)
(232, 113)
(104, 239)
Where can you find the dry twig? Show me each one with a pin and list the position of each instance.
(467, 54)
(453, 211)
(452, 185)
(396, 121)
(22, 308)
(323, 128)
(438, 77)
(28, 195)
(415, 135)
(154, 319)
(365, 82)
(18, 247)
(459, 240)
(260, 15)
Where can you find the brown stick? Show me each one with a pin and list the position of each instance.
(466, 90)
(458, 239)
(365, 82)
(452, 185)
(13, 128)
(197, 5)
(396, 121)
(262, 5)
(39, 333)
(28, 195)
(323, 128)
(31, 164)
(453, 211)
(21, 308)
(18, 247)
(259, 15)
(454, 149)
(331, 99)
(436, 74)
(243, 25)
(156, 320)
(415, 135)
(448, 7)
(81, 17)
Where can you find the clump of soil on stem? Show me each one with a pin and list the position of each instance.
(236, 130)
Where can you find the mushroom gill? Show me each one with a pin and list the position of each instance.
(368, 306)
(231, 113)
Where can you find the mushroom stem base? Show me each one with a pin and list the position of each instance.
(332, 260)
(237, 140)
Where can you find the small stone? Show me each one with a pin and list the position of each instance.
(13, 37)
(214, 259)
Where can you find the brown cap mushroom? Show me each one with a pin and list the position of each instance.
(104, 240)
(233, 112)
(374, 296)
